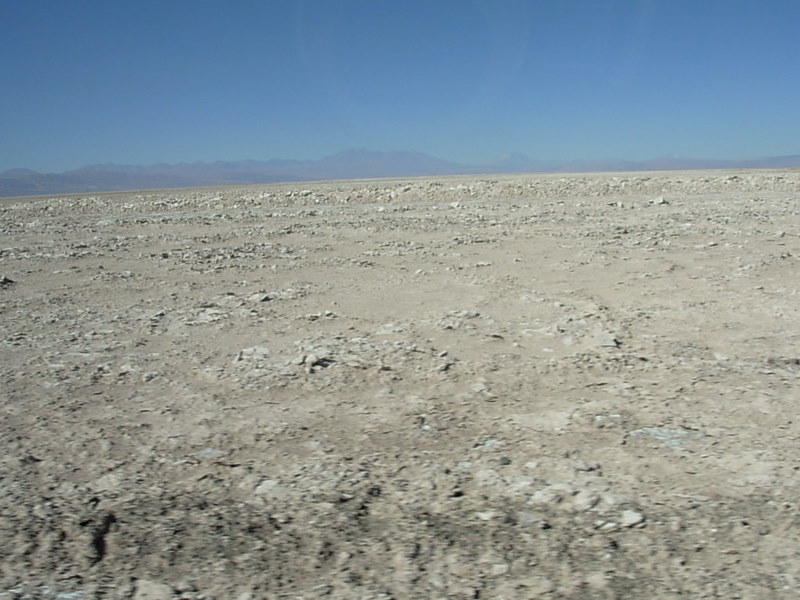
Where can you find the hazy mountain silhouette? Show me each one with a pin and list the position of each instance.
(517, 162)
(349, 164)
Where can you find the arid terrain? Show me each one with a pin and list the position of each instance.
(500, 387)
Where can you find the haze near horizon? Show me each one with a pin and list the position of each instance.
(91, 82)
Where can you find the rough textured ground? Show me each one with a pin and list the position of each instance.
(503, 387)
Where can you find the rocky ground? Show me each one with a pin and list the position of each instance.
(545, 386)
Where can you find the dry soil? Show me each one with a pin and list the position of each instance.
(499, 387)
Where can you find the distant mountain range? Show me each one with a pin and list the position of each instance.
(349, 164)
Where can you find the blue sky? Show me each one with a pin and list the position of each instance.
(88, 81)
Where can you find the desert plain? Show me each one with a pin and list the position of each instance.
(566, 386)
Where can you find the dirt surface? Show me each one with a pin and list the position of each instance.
(547, 386)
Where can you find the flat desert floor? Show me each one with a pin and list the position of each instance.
(501, 387)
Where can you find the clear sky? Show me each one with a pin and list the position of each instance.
(147, 81)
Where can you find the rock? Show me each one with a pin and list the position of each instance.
(585, 500)
(630, 518)
(209, 453)
(5, 281)
(255, 353)
(185, 586)
(606, 339)
(487, 443)
(488, 515)
(597, 581)
(271, 489)
(552, 495)
(151, 590)
(674, 437)
(106, 483)
(526, 517)
(549, 420)
(490, 478)
(536, 586)
(260, 297)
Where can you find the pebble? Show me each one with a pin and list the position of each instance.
(630, 518)
(271, 489)
(488, 515)
(151, 590)
(254, 353)
(606, 339)
(185, 586)
(585, 499)
(209, 453)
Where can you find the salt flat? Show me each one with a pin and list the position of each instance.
(555, 386)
